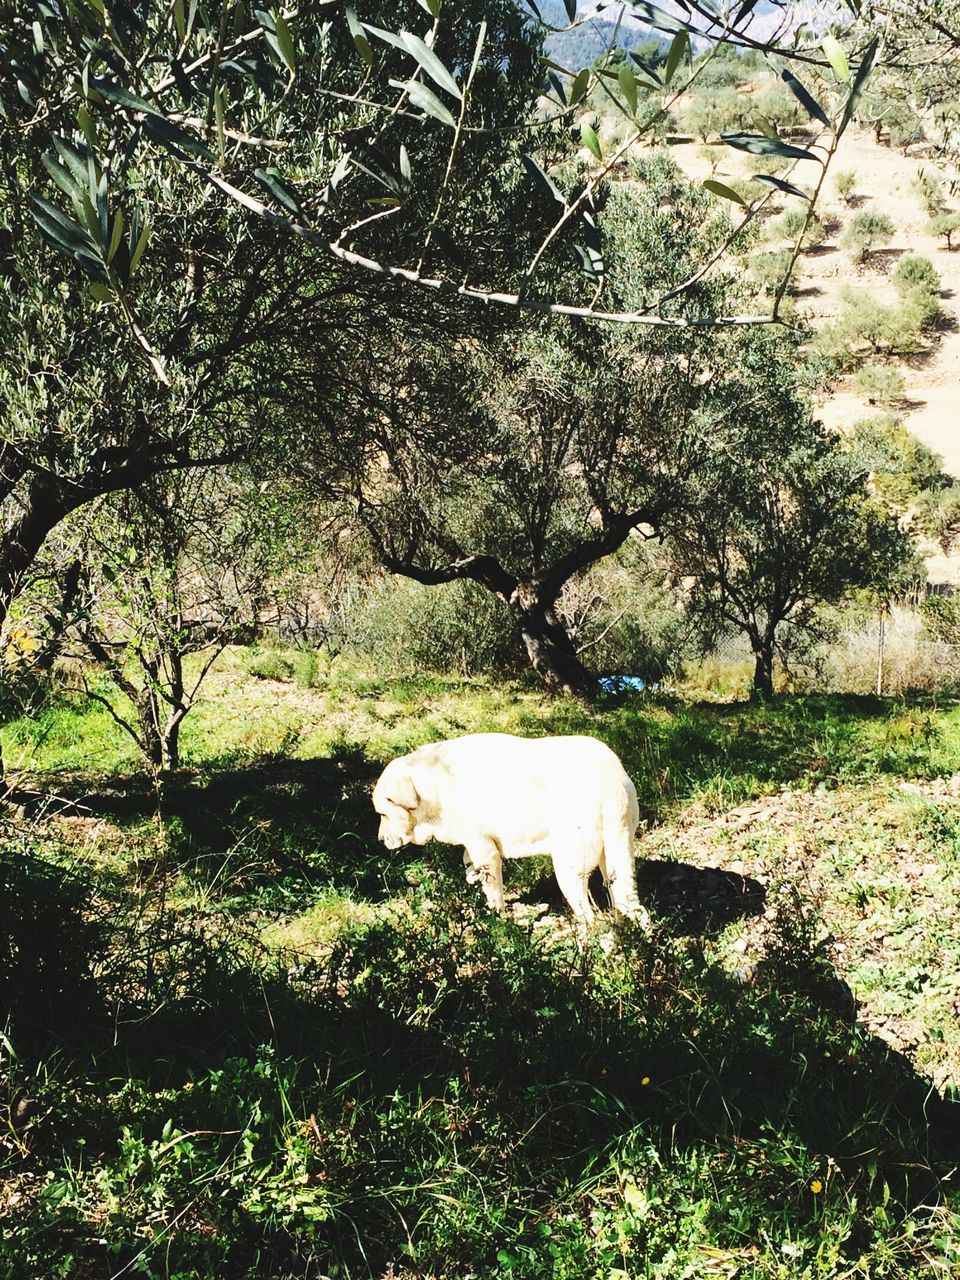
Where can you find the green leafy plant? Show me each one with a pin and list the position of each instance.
(913, 271)
(945, 224)
(845, 184)
(866, 232)
(790, 225)
(879, 384)
(866, 325)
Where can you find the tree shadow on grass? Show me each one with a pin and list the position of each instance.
(274, 824)
(436, 1061)
(277, 829)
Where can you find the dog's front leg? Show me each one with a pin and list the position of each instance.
(485, 857)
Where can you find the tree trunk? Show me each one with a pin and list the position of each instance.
(763, 671)
(170, 745)
(160, 734)
(549, 646)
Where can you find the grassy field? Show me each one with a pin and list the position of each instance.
(243, 1040)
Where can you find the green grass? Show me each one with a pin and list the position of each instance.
(242, 1041)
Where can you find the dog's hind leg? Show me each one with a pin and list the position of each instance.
(621, 875)
(573, 884)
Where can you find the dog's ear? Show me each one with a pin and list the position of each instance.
(404, 793)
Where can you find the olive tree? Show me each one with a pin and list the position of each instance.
(169, 575)
(519, 462)
(779, 522)
(358, 131)
(147, 323)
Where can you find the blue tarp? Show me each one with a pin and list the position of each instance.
(619, 684)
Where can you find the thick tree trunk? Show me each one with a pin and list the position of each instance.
(763, 671)
(548, 645)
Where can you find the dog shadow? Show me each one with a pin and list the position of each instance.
(684, 899)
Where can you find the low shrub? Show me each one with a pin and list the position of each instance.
(792, 223)
(941, 619)
(305, 666)
(912, 660)
(406, 628)
(914, 271)
(929, 188)
(879, 384)
(711, 113)
(902, 468)
(767, 270)
(918, 284)
(269, 664)
(867, 231)
(845, 182)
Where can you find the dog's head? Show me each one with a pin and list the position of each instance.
(396, 800)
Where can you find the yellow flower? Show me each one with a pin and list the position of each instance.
(645, 1080)
(816, 1186)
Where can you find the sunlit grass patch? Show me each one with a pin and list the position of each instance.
(313, 932)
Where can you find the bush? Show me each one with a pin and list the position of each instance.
(302, 665)
(923, 304)
(864, 324)
(767, 270)
(879, 384)
(778, 106)
(941, 618)
(844, 182)
(918, 284)
(915, 271)
(902, 468)
(938, 514)
(710, 114)
(792, 223)
(406, 628)
(768, 164)
(929, 188)
(903, 126)
(726, 68)
(910, 661)
(269, 664)
(866, 232)
(946, 225)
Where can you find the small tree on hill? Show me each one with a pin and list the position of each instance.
(713, 112)
(879, 384)
(903, 471)
(866, 232)
(781, 524)
(172, 574)
(845, 185)
(946, 225)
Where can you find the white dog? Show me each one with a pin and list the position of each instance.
(505, 797)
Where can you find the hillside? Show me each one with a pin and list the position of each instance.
(886, 179)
